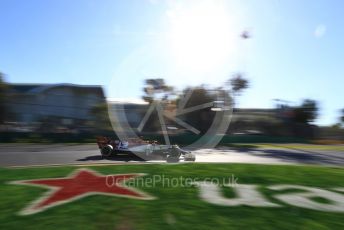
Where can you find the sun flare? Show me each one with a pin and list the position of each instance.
(201, 36)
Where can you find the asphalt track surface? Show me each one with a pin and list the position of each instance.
(56, 154)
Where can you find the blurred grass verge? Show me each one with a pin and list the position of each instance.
(175, 207)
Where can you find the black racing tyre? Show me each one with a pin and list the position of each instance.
(172, 159)
(174, 152)
(189, 157)
(106, 151)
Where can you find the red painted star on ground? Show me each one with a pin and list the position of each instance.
(81, 183)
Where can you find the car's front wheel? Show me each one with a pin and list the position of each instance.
(189, 157)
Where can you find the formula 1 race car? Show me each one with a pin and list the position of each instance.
(143, 149)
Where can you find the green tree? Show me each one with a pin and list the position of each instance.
(203, 118)
(156, 88)
(238, 83)
(101, 117)
(307, 112)
(342, 116)
(3, 97)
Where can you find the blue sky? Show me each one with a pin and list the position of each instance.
(296, 50)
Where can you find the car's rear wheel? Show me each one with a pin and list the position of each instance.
(106, 150)
(172, 159)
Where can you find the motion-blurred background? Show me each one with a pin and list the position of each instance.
(63, 64)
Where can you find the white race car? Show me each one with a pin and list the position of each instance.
(145, 150)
